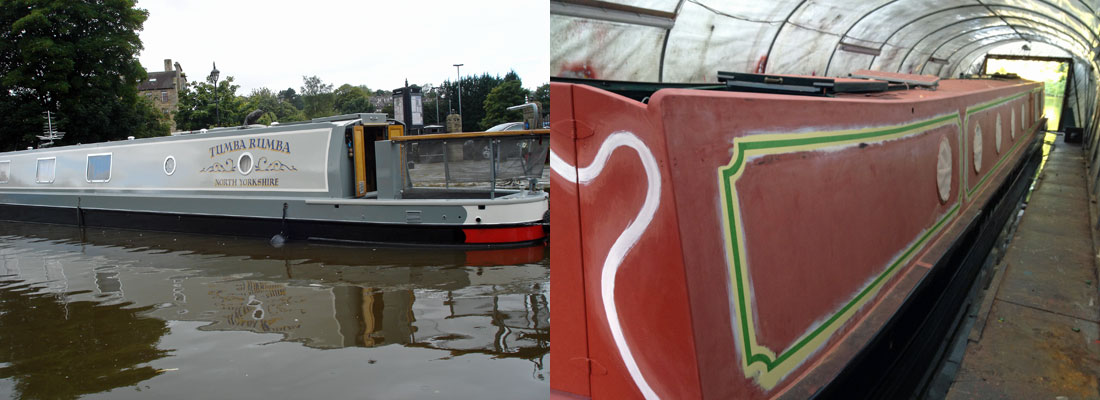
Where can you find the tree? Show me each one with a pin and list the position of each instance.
(352, 99)
(200, 109)
(76, 59)
(147, 121)
(542, 96)
(318, 97)
(276, 109)
(505, 95)
(474, 91)
(292, 97)
(432, 99)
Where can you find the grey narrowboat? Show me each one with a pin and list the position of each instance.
(353, 178)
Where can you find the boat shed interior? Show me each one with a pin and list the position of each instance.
(688, 41)
(1038, 313)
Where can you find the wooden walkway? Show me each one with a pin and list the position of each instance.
(1037, 336)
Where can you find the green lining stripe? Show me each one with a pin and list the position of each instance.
(989, 173)
(874, 286)
(778, 143)
(966, 125)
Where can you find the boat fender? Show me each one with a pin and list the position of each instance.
(278, 240)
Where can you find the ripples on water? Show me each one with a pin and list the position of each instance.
(122, 314)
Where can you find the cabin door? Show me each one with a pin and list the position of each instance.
(363, 138)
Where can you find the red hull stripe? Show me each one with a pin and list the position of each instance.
(504, 235)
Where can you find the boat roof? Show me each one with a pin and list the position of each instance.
(891, 87)
(327, 122)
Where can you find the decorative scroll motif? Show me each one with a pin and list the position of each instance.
(228, 166)
(626, 240)
(262, 165)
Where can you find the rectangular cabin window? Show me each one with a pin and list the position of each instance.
(46, 169)
(99, 167)
(5, 170)
(164, 95)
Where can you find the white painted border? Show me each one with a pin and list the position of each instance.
(515, 213)
(88, 164)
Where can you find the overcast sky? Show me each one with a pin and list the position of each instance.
(274, 43)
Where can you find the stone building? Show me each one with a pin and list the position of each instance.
(163, 88)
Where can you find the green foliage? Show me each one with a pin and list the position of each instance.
(199, 108)
(352, 99)
(292, 97)
(505, 95)
(76, 59)
(318, 97)
(434, 104)
(542, 96)
(474, 91)
(148, 121)
(276, 109)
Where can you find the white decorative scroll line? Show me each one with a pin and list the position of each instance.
(626, 240)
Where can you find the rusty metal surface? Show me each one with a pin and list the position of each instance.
(1041, 337)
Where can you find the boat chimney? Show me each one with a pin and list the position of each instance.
(167, 64)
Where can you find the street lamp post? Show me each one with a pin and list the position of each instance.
(458, 70)
(217, 106)
(438, 92)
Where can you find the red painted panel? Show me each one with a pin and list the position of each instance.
(569, 371)
(650, 280)
(820, 224)
(871, 202)
(504, 235)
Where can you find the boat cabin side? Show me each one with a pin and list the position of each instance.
(352, 156)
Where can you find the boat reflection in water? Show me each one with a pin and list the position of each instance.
(85, 312)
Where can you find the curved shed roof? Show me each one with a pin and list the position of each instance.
(690, 40)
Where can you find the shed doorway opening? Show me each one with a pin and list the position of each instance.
(1052, 71)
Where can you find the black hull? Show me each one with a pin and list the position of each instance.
(899, 362)
(389, 235)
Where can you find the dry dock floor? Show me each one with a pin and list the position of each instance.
(1039, 338)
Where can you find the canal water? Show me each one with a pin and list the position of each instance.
(97, 313)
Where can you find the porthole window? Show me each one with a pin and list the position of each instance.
(169, 165)
(5, 171)
(997, 137)
(945, 169)
(99, 167)
(1012, 122)
(244, 164)
(46, 169)
(977, 148)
